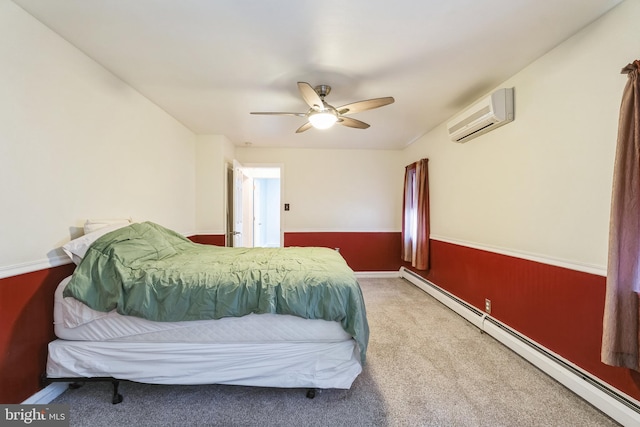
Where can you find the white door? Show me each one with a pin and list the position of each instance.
(266, 208)
(253, 217)
(258, 217)
(238, 179)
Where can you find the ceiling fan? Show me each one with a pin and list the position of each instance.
(322, 115)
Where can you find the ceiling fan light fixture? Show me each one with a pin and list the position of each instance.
(323, 119)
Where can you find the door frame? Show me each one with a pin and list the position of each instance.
(232, 199)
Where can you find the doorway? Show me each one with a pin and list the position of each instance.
(253, 205)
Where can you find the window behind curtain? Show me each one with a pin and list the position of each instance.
(415, 220)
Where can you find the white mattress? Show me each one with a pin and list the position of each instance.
(75, 321)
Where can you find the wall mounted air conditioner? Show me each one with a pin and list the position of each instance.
(488, 113)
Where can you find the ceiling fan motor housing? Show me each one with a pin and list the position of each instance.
(322, 90)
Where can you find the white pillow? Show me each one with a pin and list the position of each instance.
(77, 248)
(95, 224)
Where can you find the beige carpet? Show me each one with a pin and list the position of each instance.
(426, 367)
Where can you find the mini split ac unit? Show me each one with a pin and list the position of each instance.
(490, 112)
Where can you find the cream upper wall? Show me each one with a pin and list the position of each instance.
(77, 143)
(541, 185)
(80, 142)
(336, 190)
(213, 153)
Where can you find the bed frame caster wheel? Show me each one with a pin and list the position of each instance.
(311, 393)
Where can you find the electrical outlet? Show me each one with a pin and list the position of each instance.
(487, 305)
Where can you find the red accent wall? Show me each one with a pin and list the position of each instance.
(26, 327)
(556, 307)
(209, 239)
(561, 309)
(366, 251)
(363, 251)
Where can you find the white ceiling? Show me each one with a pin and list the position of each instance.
(209, 63)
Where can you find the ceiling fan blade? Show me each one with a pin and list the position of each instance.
(356, 107)
(352, 123)
(304, 127)
(279, 114)
(310, 96)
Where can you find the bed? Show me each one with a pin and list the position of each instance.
(146, 304)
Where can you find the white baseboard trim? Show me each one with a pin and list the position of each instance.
(47, 394)
(616, 404)
(377, 274)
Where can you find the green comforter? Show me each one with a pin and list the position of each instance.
(148, 271)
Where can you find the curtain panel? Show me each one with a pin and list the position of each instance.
(415, 219)
(620, 339)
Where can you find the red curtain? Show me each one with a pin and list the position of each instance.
(621, 317)
(415, 219)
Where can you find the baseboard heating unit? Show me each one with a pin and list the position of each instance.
(616, 404)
